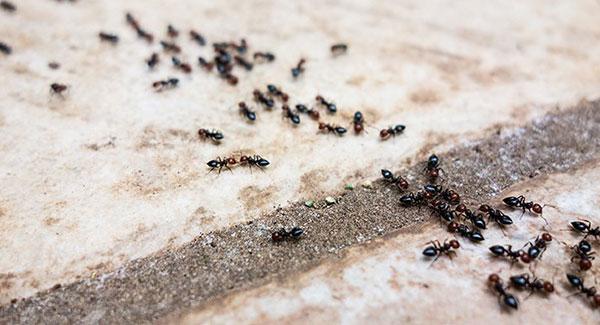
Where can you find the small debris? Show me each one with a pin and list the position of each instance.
(309, 203)
(367, 184)
(330, 200)
(349, 186)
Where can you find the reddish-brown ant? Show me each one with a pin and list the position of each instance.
(172, 31)
(282, 234)
(5, 48)
(496, 215)
(214, 135)
(497, 285)
(256, 161)
(590, 292)
(413, 199)
(221, 163)
(358, 121)
(106, 37)
(314, 114)
(197, 37)
(264, 56)
(391, 131)
(165, 84)
(499, 250)
(523, 281)
(153, 60)
(519, 202)
(7, 6)
(585, 227)
(465, 231)
(243, 63)
(170, 47)
(338, 49)
(231, 79)
(330, 106)
(185, 67)
(273, 90)
(298, 69)
(436, 249)
(136, 26)
(475, 219)
(57, 88)
(539, 246)
(583, 255)
(399, 181)
(287, 113)
(329, 128)
(245, 110)
(208, 66)
(432, 167)
(261, 98)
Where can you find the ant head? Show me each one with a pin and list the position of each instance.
(231, 161)
(322, 126)
(384, 133)
(494, 278)
(585, 264)
(453, 226)
(536, 208)
(548, 287)
(461, 208)
(546, 237)
(454, 243)
(525, 258)
(484, 208)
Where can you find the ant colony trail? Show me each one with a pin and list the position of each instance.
(286, 162)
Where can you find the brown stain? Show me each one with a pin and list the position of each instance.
(99, 146)
(493, 76)
(425, 96)
(255, 198)
(153, 137)
(310, 182)
(50, 221)
(356, 81)
(7, 280)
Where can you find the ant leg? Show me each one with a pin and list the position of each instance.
(545, 220)
(435, 259)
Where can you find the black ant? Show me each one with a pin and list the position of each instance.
(330, 106)
(358, 120)
(242, 62)
(214, 135)
(282, 234)
(264, 56)
(583, 255)
(507, 251)
(136, 26)
(436, 249)
(585, 227)
(399, 181)
(496, 215)
(172, 31)
(170, 47)
(185, 67)
(153, 60)
(231, 79)
(273, 90)
(577, 282)
(53, 65)
(242, 48)
(165, 84)
(245, 110)
(391, 131)
(337, 130)
(413, 199)
(476, 219)
(208, 66)
(498, 286)
(111, 38)
(432, 166)
(197, 37)
(314, 114)
(338, 49)
(8, 6)
(255, 160)
(539, 245)
(519, 202)
(296, 71)
(523, 281)
(261, 98)
(465, 231)
(447, 194)
(57, 88)
(4, 48)
(221, 163)
(287, 113)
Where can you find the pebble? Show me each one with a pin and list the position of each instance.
(349, 186)
(309, 203)
(330, 200)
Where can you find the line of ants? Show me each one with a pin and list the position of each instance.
(221, 163)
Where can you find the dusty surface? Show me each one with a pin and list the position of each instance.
(243, 256)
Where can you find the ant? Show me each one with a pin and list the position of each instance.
(153, 60)
(314, 114)
(465, 231)
(330, 106)
(165, 84)
(221, 163)
(432, 166)
(264, 56)
(245, 110)
(136, 26)
(577, 282)
(4, 48)
(242, 62)
(507, 251)
(53, 65)
(497, 285)
(519, 202)
(214, 135)
(231, 79)
(436, 249)
(296, 71)
(185, 67)
(255, 160)
(583, 254)
(287, 113)
(172, 31)
(539, 246)
(208, 66)
(585, 227)
(413, 199)
(242, 48)
(447, 194)
(523, 281)
(277, 92)
(261, 98)
(8, 6)
(282, 234)
(358, 121)
(170, 47)
(476, 219)
(339, 49)
(57, 88)
(496, 215)
(391, 131)
(197, 37)
(399, 181)
(111, 38)
(338, 130)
